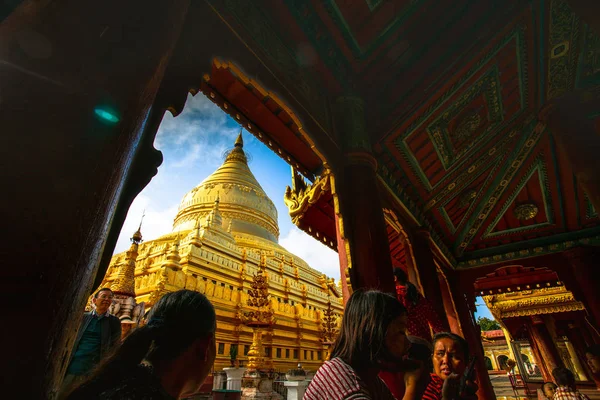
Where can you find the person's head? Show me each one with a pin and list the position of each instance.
(373, 330)
(563, 377)
(592, 355)
(102, 300)
(548, 388)
(400, 276)
(179, 336)
(450, 354)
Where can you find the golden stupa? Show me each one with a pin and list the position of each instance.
(226, 232)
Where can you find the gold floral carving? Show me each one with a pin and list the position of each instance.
(526, 211)
(533, 302)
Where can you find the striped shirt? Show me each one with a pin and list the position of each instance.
(336, 380)
(434, 388)
(566, 393)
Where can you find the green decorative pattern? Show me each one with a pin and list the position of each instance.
(415, 210)
(562, 49)
(252, 19)
(488, 86)
(400, 141)
(336, 15)
(589, 237)
(442, 209)
(534, 132)
(315, 29)
(468, 174)
(539, 167)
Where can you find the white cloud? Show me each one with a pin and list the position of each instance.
(199, 134)
(157, 222)
(316, 254)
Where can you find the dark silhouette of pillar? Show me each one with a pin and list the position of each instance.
(583, 284)
(78, 86)
(568, 118)
(360, 204)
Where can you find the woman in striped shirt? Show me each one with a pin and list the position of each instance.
(373, 333)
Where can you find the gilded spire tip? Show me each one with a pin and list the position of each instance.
(137, 235)
(239, 142)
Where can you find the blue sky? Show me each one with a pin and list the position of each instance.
(193, 145)
(482, 310)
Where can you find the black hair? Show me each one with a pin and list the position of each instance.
(104, 289)
(563, 377)
(594, 350)
(174, 323)
(460, 341)
(361, 341)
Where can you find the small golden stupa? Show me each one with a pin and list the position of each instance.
(224, 236)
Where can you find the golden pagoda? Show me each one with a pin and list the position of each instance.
(225, 235)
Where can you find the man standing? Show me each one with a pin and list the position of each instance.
(98, 333)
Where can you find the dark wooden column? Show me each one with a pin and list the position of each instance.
(545, 343)
(464, 301)
(582, 282)
(574, 332)
(360, 203)
(427, 270)
(542, 365)
(569, 120)
(79, 80)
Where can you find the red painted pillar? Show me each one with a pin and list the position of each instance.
(449, 308)
(411, 270)
(464, 300)
(427, 271)
(342, 246)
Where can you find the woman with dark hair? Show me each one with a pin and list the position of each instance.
(168, 358)
(422, 318)
(371, 337)
(450, 355)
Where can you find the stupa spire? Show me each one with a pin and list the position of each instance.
(239, 142)
(125, 282)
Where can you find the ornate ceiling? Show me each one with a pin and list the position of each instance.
(452, 90)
